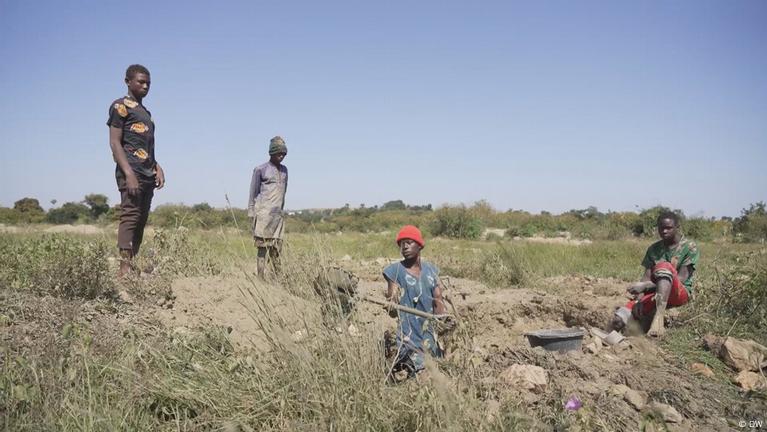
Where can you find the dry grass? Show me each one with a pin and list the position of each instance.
(135, 375)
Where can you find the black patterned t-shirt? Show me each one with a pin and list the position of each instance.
(138, 136)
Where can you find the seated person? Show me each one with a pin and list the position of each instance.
(419, 286)
(669, 266)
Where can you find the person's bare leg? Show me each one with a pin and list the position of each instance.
(126, 257)
(657, 329)
(261, 262)
(274, 257)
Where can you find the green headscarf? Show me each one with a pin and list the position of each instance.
(277, 145)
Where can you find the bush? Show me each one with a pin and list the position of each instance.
(506, 266)
(198, 216)
(699, 229)
(647, 224)
(456, 222)
(69, 213)
(752, 225)
(57, 265)
(29, 210)
(172, 252)
(513, 231)
(733, 300)
(8, 216)
(98, 204)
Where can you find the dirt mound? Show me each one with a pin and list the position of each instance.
(619, 386)
(8, 229)
(498, 232)
(237, 305)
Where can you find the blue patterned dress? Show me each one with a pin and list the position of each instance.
(415, 335)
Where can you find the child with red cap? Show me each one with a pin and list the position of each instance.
(418, 284)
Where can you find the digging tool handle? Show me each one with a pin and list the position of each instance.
(406, 309)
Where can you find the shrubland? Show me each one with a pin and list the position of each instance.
(61, 372)
(452, 221)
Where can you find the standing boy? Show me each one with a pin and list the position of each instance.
(131, 137)
(266, 203)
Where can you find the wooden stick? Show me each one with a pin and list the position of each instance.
(405, 309)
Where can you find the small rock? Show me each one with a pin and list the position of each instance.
(572, 354)
(591, 388)
(635, 398)
(346, 258)
(625, 345)
(488, 381)
(125, 297)
(668, 413)
(298, 336)
(492, 409)
(181, 331)
(593, 347)
(353, 331)
(479, 351)
(751, 381)
(161, 302)
(702, 370)
(619, 390)
(739, 354)
(529, 377)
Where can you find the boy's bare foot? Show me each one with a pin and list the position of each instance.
(657, 329)
(124, 271)
(126, 263)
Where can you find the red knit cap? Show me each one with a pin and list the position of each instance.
(412, 233)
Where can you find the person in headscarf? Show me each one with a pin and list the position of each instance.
(414, 283)
(266, 202)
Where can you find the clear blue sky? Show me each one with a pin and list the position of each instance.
(536, 106)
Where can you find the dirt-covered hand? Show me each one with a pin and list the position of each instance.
(446, 324)
(637, 288)
(391, 310)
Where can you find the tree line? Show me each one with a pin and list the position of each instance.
(456, 221)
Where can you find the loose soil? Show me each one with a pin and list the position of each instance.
(491, 338)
